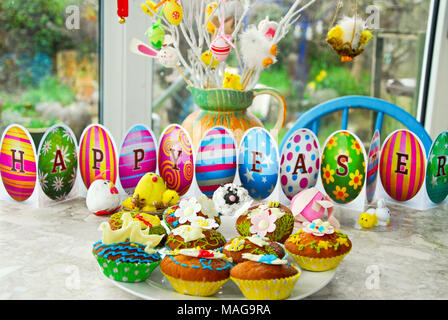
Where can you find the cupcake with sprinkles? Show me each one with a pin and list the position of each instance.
(200, 234)
(273, 220)
(318, 246)
(189, 210)
(265, 277)
(236, 247)
(128, 254)
(195, 271)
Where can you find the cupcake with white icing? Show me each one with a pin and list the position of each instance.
(238, 246)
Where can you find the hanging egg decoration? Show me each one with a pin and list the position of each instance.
(173, 12)
(220, 47)
(58, 162)
(402, 165)
(97, 155)
(18, 163)
(373, 164)
(156, 35)
(437, 169)
(343, 170)
(258, 164)
(176, 164)
(300, 162)
(138, 156)
(216, 160)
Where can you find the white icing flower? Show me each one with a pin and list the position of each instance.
(258, 241)
(204, 223)
(318, 228)
(208, 207)
(188, 233)
(188, 209)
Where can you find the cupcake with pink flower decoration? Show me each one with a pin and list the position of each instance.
(273, 221)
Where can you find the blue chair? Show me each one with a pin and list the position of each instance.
(311, 119)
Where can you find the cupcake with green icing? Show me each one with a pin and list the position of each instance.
(128, 254)
(193, 236)
(238, 246)
(273, 220)
(146, 220)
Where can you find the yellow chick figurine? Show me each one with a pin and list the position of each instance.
(210, 26)
(207, 58)
(368, 220)
(232, 81)
(151, 194)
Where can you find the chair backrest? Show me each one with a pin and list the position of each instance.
(311, 119)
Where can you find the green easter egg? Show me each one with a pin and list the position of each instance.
(343, 169)
(437, 169)
(58, 162)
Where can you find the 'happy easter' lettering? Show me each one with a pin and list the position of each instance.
(342, 160)
(402, 160)
(59, 162)
(15, 160)
(441, 162)
(98, 157)
(256, 162)
(139, 155)
(300, 164)
(175, 157)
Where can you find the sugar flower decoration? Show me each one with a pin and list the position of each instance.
(263, 223)
(204, 223)
(318, 228)
(188, 208)
(208, 207)
(193, 252)
(266, 259)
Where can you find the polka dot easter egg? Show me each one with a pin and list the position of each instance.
(58, 162)
(216, 160)
(258, 164)
(402, 165)
(138, 156)
(343, 168)
(97, 155)
(176, 164)
(18, 163)
(300, 162)
(373, 164)
(437, 170)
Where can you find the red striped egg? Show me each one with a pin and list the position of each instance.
(138, 156)
(402, 165)
(18, 163)
(97, 155)
(216, 160)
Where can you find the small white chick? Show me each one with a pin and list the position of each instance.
(257, 51)
(103, 198)
(348, 26)
(383, 213)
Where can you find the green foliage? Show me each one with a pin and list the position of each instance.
(49, 90)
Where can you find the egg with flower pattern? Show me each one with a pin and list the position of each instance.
(343, 168)
(58, 162)
(258, 164)
(437, 172)
(299, 162)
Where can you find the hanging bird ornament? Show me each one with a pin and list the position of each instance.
(349, 37)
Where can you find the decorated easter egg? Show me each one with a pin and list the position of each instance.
(138, 156)
(258, 164)
(173, 12)
(58, 162)
(216, 160)
(156, 35)
(97, 155)
(300, 162)
(18, 163)
(437, 170)
(373, 164)
(343, 168)
(220, 48)
(402, 165)
(176, 164)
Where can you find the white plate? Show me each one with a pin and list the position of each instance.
(157, 287)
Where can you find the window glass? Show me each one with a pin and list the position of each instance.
(49, 64)
(309, 72)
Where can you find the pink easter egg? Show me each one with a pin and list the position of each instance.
(176, 164)
(220, 49)
(304, 204)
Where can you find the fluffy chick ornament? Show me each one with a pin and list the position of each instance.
(349, 37)
(258, 52)
(103, 198)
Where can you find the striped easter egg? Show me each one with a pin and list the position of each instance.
(97, 155)
(373, 164)
(216, 160)
(18, 163)
(138, 156)
(220, 49)
(402, 165)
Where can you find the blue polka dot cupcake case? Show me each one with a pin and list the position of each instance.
(258, 163)
(299, 162)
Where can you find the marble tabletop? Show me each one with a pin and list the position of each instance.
(45, 253)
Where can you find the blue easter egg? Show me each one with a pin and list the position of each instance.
(216, 160)
(258, 164)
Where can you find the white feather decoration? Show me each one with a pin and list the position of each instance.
(256, 49)
(348, 26)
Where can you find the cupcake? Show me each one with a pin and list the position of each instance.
(231, 199)
(318, 246)
(146, 220)
(191, 236)
(127, 254)
(272, 220)
(195, 272)
(265, 277)
(236, 247)
(189, 210)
